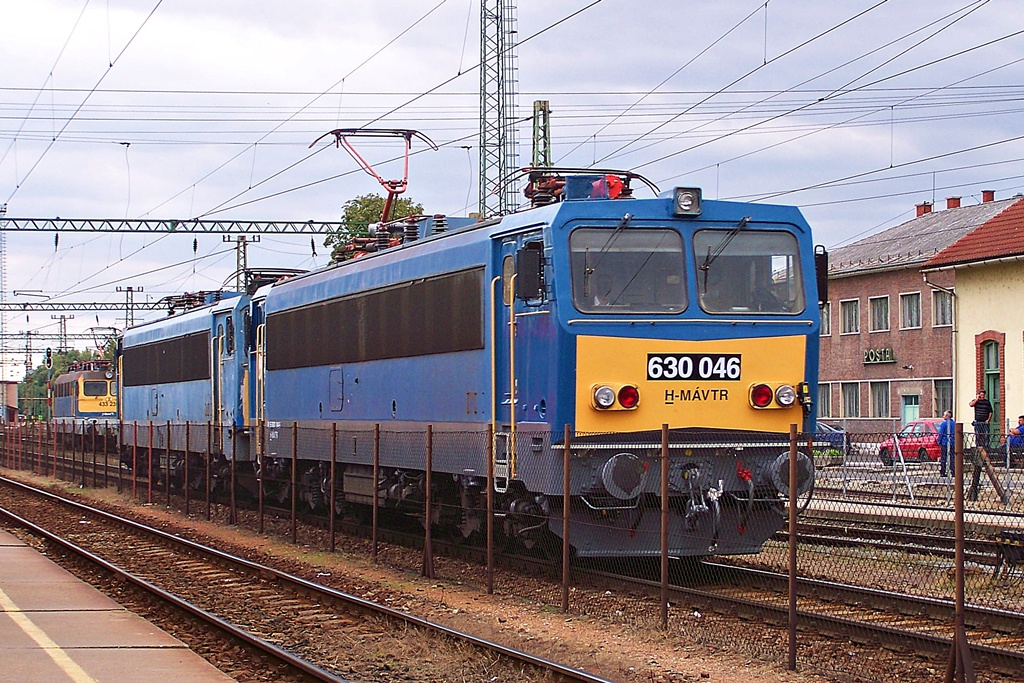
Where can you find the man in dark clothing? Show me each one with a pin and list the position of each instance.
(982, 416)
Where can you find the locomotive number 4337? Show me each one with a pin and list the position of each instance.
(699, 366)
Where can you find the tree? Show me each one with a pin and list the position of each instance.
(358, 214)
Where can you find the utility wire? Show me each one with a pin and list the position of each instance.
(835, 92)
(744, 77)
(295, 114)
(67, 123)
(49, 77)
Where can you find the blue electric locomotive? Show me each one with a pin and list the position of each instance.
(593, 309)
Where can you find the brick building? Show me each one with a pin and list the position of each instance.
(887, 330)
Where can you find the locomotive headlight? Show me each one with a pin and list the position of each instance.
(785, 395)
(604, 397)
(629, 396)
(761, 395)
(686, 201)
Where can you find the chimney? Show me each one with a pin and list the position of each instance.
(923, 208)
(952, 202)
(988, 196)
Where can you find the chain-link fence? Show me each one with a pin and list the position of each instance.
(676, 529)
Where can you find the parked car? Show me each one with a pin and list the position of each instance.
(917, 440)
(829, 437)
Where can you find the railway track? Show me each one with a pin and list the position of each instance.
(290, 619)
(977, 550)
(898, 622)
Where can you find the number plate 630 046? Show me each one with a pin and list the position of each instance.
(695, 366)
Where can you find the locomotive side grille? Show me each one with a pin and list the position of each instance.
(422, 317)
(182, 359)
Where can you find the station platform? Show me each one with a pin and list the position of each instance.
(54, 627)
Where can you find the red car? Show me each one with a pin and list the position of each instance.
(918, 440)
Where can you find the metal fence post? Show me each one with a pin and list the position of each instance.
(664, 525)
(260, 473)
(209, 456)
(566, 456)
(428, 548)
(233, 511)
(791, 665)
(73, 451)
(95, 428)
(376, 484)
(330, 503)
(167, 466)
(135, 459)
(106, 464)
(188, 443)
(295, 463)
(490, 509)
(960, 667)
(119, 450)
(149, 466)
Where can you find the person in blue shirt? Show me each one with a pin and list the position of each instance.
(1014, 445)
(945, 441)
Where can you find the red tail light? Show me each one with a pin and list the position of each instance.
(761, 395)
(629, 396)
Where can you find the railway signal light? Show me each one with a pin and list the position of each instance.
(49, 357)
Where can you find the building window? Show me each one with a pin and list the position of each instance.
(879, 399)
(850, 311)
(826, 319)
(990, 381)
(824, 400)
(943, 392)
(879, 314)
(910, 310)
(942, 309)
(851, 399)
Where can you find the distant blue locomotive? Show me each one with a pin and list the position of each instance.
(592, 309)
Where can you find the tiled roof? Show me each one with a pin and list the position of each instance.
(1002, 235)
(915, 241)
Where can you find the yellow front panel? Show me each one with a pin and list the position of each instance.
(716, 403)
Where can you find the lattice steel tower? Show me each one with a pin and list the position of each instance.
(498, 88)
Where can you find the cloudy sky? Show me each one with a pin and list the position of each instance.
(854, 110)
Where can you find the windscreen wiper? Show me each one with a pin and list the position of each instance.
(713, 254)
(588, 270)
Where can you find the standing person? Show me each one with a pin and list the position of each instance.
(945, 441)
(982, 416)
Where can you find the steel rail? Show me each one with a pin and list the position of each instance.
(233, 631)
(306, 587)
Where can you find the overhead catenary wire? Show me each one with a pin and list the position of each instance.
(70, 119)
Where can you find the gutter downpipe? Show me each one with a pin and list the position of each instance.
(955, 332)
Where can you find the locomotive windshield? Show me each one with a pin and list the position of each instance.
(748, 271)
(627, 270)
(94, 388)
